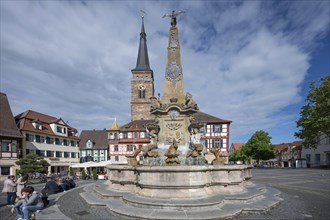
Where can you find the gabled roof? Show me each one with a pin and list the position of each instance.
(137, 125)
(98, 137)
(296, 145)
(8, 127)
(201, 117)
(237, 146)
(28, 117)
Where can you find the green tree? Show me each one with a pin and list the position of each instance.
(95, 174)
(32, 164)
(315, 115)
(259, 147)
(238, 155)
(71, 173)
(83, 174)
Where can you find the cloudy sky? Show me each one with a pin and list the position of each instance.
(250, 62)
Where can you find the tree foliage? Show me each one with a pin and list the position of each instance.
(259, 147)
(238, 155)
(315, 115)
(32, 164)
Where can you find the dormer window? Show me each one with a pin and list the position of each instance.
(61, 130)
(89, 144)
(37, 125)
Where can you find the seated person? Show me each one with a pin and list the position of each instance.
(20, 200)
(65, 185)
(71, 182)
(51, 187)
(32, 202)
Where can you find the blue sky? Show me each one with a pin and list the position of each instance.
(250, 62)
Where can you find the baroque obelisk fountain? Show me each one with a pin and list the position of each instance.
(175, 181)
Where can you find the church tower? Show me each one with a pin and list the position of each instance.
(142, 82)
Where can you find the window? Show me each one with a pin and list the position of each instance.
(116, 158)
(217, 143)
(73, 155)
(115, 136)
(125, 135)
(65, 142)
(217, 128)
(5, 171)
(72, 143)
(29, 137)
(42, 153)
(58, 154)
(308, 158)
(38, 138)
(49, 140)
(50, 153)
(57, 141)
(317, 158)
(66, 154)
(129, 148)
(116, 147)
(42, 139)
(61, 130)
(136, 134)
(5, 146)
(142, 92)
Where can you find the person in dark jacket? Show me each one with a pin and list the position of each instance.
(51, 187)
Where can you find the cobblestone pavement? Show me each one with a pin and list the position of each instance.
(306, 194)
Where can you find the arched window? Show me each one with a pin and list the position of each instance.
(142, 94)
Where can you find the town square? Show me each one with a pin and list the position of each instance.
(173, 110)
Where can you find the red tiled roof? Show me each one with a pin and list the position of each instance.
(28, 117)
(8, 127)
(237, 146)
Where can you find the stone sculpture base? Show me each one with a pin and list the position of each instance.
(180, 192)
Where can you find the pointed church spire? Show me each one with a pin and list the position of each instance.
(114, 125)
(142, 60)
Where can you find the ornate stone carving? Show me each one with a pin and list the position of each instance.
(131, 159)
(174, 125)
(220, 157)
(173, 71)
(172, 155)
(174, 136)
(150, 149)
(173, 40)
(196, 148)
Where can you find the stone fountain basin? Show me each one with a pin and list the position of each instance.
(179, 181)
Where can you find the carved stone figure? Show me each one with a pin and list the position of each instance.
(131, 159)
(172, 155)
(173, 17)
(150, 149)
(219, 157)
(189, 102)
(196, 148)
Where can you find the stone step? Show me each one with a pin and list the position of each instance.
(131, 206)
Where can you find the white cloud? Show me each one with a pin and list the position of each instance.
(242, 61)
